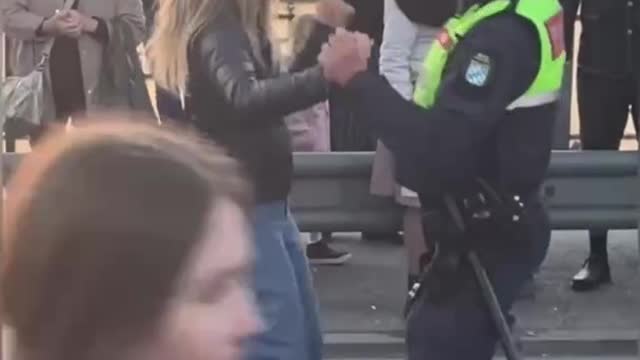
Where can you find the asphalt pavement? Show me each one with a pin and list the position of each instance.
(361, 302)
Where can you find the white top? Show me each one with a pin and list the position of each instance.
(403, 49)
(402, 52)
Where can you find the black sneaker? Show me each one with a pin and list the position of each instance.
(320, 253)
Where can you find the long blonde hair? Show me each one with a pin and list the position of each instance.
(178, 22)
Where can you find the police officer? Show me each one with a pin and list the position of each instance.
(480, 127)
(607, 84)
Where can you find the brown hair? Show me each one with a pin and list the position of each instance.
(99, 225)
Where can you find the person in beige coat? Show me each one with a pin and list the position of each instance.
(81, 33)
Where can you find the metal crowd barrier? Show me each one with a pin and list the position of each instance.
(584, 190)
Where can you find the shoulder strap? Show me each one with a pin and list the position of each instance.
(46, 51)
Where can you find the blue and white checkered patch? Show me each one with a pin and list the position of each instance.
(478, 71)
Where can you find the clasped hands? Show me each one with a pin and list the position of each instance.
(70, 23)
(344, 56)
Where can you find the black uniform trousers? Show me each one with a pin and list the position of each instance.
(604, 103)
(461, 328)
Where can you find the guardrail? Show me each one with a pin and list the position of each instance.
(584, 190)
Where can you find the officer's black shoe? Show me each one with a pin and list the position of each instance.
(593, 274)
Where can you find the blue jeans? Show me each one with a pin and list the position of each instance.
(284, 291)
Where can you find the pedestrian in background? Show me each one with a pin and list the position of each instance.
(76, 60)
(347, 133)
(410, 27)
(607, 85)
(220, 53)
(310, 132)
(128, 242)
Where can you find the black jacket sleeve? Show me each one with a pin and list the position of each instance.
(439, 143)
(570, 8)
(230, 68)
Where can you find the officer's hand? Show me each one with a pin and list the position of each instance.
(346, 55)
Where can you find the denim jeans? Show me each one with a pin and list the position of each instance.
(284, 291)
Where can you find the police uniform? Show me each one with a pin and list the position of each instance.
(607, 85)
(483, 108)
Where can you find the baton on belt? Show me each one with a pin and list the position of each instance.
(488, 294)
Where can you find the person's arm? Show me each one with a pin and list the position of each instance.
(440, 142)
(330, 14)
(18, 22)
(570, 8)
(132, 12)
(230, 69)
(308, 56)
(97, 28)
(398, 41)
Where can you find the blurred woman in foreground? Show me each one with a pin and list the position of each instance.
(127, 242)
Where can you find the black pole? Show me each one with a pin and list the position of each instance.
(488, 294)
(499, 320)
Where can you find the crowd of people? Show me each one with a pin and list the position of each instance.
(129, 240)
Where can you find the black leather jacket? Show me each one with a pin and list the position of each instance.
(240, 101)
(610, 42)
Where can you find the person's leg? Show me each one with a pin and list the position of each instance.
(320, 252)
(277, 291)
(604, 109)
(461, 327)
(313, 334)
(169, 105)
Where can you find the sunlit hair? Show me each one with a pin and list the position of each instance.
(178, 22)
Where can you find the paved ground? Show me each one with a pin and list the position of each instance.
(361, 302)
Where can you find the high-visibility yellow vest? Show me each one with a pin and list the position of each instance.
(547, 17)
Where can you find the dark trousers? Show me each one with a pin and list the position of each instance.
(461, 328)
(604, 104)
(169, 105)
(348, 133)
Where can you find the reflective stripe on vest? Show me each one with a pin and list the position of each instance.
(545, 15)
(528, 101)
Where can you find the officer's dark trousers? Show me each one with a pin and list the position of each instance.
(462, 329)
(604, 103)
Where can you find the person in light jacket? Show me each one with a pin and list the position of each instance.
(404, 47)
(81, 34)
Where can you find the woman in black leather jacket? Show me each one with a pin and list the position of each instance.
(238, 97)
